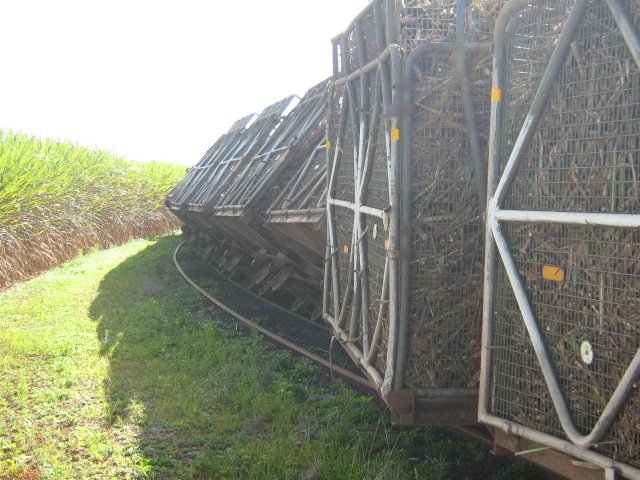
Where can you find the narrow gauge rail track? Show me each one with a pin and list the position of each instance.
(300, 331)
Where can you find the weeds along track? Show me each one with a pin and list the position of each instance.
(290, 330)
(285, 328)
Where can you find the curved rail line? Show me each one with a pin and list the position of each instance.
(359, 383)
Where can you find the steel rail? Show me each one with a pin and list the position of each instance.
(355, 381)
(358, 383)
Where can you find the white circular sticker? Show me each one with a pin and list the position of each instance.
(586, 352)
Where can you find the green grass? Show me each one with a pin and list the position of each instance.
(57, 199)
(111, 367)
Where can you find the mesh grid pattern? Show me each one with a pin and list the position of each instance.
(363, 29)
(447, 243)
(433, 21)
(301, 128)
(182, 190)
(344, 230)
(376, 258)
(200, 175)
(582, 158)
(427, 21)
(302, 182)
(226, 172)
(345, 189)
(597, 302)
(378, 187)
(364, 117)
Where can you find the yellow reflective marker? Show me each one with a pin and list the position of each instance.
(395, 134)
(345, 248)
(553, 272)
(328, 145)
(386, 244)
(496, 95)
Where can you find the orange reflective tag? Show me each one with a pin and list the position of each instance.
(553, 272)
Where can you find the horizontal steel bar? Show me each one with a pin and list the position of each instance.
(559, 444)
(447, 392)
(363, 13)
(372, 212)
(232, 208)
(573, 218)
(622, 390)
(369, 67)
(304, 211)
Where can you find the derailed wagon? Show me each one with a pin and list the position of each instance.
(561, 336)
(403, 193)
(228, 202)
(405, 201)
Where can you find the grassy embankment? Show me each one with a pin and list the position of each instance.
(111, 367)
(57, 199)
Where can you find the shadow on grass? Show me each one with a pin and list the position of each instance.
(193, 402)
(163, 350)
(197, 401)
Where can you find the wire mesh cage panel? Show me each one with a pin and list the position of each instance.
(297, 200)
(219, 172)
(242, 167)
(447, 198)
(359, 199)
(242, 206)
(297, 216)
(410, 23)
(302, 186)
(434, 21)
(291, 156)
(406, 283)
(561, 349)
(305, 185)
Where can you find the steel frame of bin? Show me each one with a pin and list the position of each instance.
(227, 168)
(294, 130)
(242, 223)
(245, 195)
(390, 57)
(291, 217)
(497, 249)
(225, 163)
(198, 173)
(241, 138)
(383, 15)
(244, 217)
(382, 12)
(437, 405)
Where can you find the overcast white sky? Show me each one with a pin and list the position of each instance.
(154, 79)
